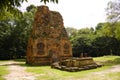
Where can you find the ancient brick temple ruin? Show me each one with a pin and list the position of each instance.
(49, 41)
(49, 44)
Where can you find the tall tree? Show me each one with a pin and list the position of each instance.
(81, 42)
(14, 33)
(113, 11)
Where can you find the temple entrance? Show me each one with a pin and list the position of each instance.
(54, 56)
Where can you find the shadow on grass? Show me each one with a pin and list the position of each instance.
(117, 61)
(20, 60)
(28, 65)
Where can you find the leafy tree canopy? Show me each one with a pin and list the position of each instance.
(12, 6)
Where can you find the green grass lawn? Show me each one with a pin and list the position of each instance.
(3, 70)
(114, 76)
(46, 73)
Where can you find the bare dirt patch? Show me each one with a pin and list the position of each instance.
(17, 72)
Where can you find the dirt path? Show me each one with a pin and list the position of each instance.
(18, 72)
(101, 74)
(113, 69)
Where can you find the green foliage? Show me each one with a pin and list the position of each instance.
(14, 35)
(31, 8)
(99, 26)
(81, 43)
(105, 46)
(109, 29)
(117, 31)
(104, 40)
(45, 1)
(71, 32)
(11, 6)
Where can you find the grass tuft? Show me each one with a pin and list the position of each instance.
(3, 72)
